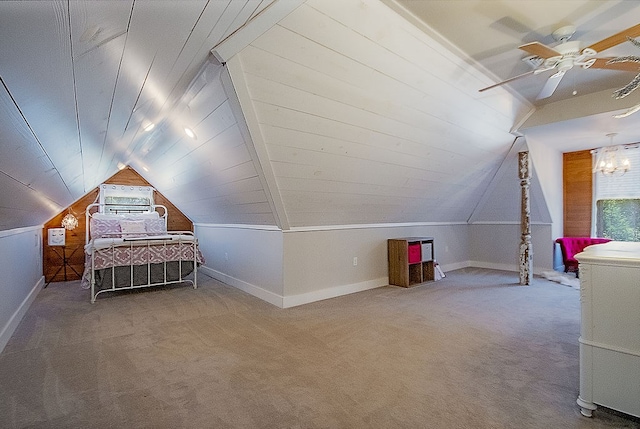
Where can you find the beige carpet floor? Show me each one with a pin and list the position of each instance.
(474, 350)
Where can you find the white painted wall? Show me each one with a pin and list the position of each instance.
(294, 267)
(501, 200)
(495, 231)
(319, 263)
(548, 163)
(305, 265)
(249, 258)
(20, 276)
(496, 245)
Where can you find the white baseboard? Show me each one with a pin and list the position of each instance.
(293, 300)
(494, 266)
(251, 289)
(16, 317)
(504, 267)
(455, 266)
(333, 292)
(538, 271)
(336, 291)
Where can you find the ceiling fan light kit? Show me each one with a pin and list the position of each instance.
(563, 34)
(568, 54)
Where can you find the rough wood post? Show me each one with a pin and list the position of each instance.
(526, 251)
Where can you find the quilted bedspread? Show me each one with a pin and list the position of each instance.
(139, 252)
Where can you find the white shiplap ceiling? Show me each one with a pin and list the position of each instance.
(489, 32)
(358, 110)
(343, 112)
(82, 79)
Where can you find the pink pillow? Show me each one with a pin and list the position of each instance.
(104, 228)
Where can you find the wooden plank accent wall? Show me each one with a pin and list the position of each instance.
(577, 178)
(52, 256)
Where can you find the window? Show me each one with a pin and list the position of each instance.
(618, 219)
(617, 202)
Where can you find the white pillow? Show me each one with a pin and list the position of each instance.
(155, 226)
(132, 228)
(138, 216)
(128, 216)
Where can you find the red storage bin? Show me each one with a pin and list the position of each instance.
(415, 254)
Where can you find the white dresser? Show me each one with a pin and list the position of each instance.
(610, 327)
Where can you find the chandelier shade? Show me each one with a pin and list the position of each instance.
(611, 160)
(69, 221)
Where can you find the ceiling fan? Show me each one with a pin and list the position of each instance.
(567, 54)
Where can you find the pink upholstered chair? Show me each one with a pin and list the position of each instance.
(571, 246)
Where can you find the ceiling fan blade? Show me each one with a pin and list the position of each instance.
(537, 48)
(508, 80)
(550, 86)
(616, 39)
(601, 63)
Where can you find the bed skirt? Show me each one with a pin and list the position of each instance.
(105, 279)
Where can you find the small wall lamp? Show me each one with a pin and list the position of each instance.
(69, 221)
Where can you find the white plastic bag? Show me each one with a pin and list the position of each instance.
(438, 273)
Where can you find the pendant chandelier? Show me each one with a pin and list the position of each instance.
(611, 160)
(69, 221)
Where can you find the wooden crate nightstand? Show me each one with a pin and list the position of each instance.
(411, 260)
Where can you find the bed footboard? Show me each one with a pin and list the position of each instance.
(142, 276)
(142, 263)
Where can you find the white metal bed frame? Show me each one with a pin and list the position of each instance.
(144, 241)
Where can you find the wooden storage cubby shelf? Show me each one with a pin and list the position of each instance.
(411, 260)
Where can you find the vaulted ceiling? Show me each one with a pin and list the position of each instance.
(81, 80)
(317, 112)
(489, 32)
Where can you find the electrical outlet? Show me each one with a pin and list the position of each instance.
(355, 261)
(226, 256)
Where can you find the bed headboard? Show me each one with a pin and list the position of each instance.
(112, 224)
(125, 198)
(122, 203)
